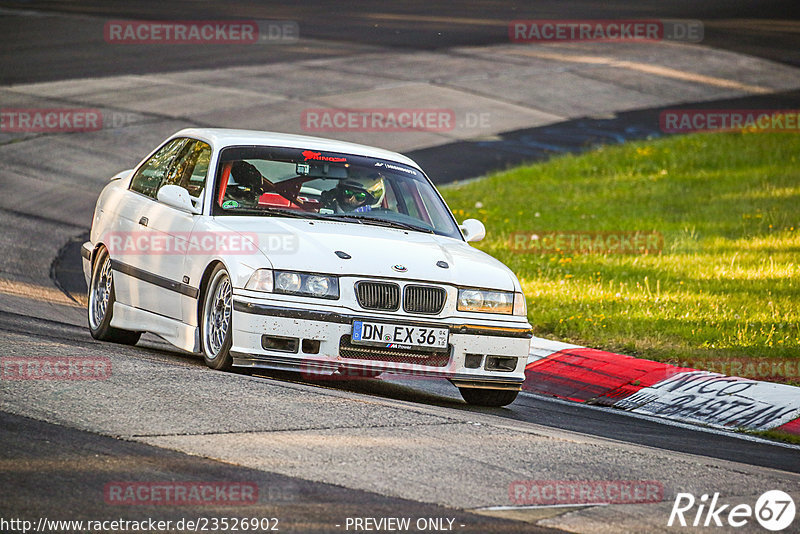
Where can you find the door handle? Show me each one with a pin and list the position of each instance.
(143, 221)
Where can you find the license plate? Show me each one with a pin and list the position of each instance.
(398, 336)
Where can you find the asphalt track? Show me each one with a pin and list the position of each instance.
(57, 462)
(42, 51)
(40, 469)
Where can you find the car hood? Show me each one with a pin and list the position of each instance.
(311, 245)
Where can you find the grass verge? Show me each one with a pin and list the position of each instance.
(724, 290)
(777, 435)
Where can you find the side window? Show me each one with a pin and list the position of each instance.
(391, 200)
(410, 196)
(190, 167)
(148, 178)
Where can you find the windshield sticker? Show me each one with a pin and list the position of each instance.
(302, 169)
(228, 204)
(395, 167)
(308, 154)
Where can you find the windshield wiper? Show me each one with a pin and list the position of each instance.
(381, 222)
(298, 214)
(278, 212)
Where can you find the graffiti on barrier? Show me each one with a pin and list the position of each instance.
(717, 400)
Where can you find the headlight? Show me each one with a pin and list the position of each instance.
(307, 285)
(318, 285)
(520, 305)
(288, 282)
(260, 280)
(479, 300)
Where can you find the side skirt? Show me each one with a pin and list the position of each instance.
(180, 334)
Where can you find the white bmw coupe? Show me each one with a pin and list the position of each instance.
(278, 251)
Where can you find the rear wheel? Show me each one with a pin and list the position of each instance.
(101, 304)
(216, 321)
(488, 397)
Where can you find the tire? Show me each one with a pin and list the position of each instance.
(101, 304)
(488, 397)
(216, 318)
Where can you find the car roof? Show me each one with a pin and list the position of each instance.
(222, 137)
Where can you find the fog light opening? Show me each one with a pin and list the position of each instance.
(501, 363)
(280, 343)
(310, 346)
(473, 361)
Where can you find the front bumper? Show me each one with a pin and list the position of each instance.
(318, 344)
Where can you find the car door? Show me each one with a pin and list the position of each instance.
(172, 230)
(136, 279)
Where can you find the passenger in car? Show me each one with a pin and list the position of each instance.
(249, 184)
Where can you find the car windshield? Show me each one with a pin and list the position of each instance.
(310, 184)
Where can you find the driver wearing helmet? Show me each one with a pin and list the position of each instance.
(356, 194)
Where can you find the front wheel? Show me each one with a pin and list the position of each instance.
(216, 321)
(488, 397)
(101, 304)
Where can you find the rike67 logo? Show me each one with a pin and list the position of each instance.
(774, 510)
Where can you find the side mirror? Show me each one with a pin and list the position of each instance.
(473, 230)
(177, 197)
